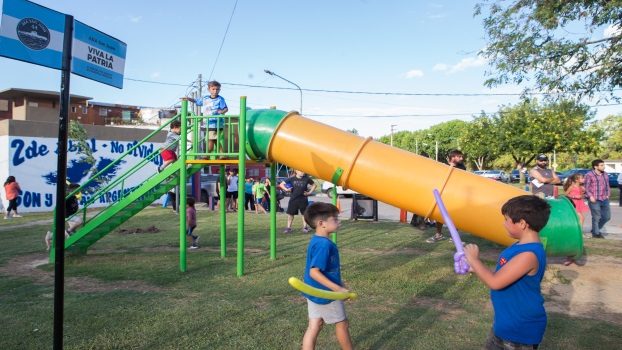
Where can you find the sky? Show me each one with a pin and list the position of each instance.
(399, 47)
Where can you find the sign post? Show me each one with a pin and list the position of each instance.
(36, 34)
(63, 126)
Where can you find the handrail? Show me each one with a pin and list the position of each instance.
(116, 161)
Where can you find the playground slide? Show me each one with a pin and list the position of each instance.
(400, 178)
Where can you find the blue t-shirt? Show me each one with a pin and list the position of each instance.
(248, 188)
(519, 308)
(323, 254)
(212, 105)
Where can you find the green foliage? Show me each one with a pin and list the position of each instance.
(481, 141)
(78, 135)
(529, 128)
(558, 44)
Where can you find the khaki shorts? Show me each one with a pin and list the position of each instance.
(331, 313)
(212, 134)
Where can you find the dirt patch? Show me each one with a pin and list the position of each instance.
(26, 266)
(138, 230)
(590, 289)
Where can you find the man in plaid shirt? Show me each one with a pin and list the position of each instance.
(597, 192)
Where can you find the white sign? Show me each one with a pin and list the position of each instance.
(97, 56)
(32, 33)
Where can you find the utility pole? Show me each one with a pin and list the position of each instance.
(392, 126)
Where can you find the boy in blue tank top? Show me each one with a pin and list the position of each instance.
(519, 319)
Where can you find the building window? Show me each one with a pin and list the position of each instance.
(33, 104)
(73, 109)
(103, 112)
(4, 105)
(85, 110)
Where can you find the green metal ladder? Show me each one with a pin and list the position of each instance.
(105, 221)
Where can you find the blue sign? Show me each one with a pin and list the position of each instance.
(32, 33)
(97, 56)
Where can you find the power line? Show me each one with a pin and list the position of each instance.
(223, 40)
(430, 115)
(354, 92)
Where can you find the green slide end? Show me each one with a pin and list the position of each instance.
(260, 127)
(562, 233)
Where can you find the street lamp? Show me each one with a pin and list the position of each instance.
(392, 126)
(435, 146)
(267, 71)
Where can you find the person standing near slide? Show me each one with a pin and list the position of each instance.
(301, 187)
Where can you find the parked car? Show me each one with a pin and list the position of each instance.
(515, 176)
(613, 180)
(498, 175)
(564, 175)
(327, 188)
(208, 186)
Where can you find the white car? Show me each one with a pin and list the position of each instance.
(327, 187)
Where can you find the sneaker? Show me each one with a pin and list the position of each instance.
(194, 247)
(598, 236)
(306, 230)
(6, 217)
(196, 241)
(435, 238)
(17, 216)
(287, 230)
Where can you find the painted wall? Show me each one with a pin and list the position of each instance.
(32, 160)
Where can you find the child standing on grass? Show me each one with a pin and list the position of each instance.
(258, 191)
(191, 222)
(519, 315)
(576, 192)
(170, 145)
(11, 191)
(323, 271)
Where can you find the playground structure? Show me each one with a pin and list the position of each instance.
(366, 166)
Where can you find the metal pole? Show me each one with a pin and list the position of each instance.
(273, 209)
(334, 201)
(222, 206)
(291, 82)
(436, 148)
(241, 183)
(61, 176)
(392, 126)
(416, 146)
(181, 204)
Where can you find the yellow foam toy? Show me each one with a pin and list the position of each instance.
(320, 293)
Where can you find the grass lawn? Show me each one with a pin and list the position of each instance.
(128, 293)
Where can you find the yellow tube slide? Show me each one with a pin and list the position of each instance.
(393, 176)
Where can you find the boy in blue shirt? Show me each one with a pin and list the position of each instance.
(519, 315)
(323, 271)
(214, 105)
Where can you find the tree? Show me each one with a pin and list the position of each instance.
(481, 141)
(529, 128)
(557, 43)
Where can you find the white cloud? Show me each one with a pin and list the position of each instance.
(436, 15)
(612, 30)
(440, 67)
(135, 19)
(414, 73)
(464, 64)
